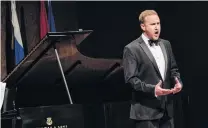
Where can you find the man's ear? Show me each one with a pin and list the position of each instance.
(142, 26)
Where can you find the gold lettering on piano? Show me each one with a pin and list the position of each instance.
(59, 126)
(49, 121)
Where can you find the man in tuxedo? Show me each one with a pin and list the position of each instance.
(150, 68)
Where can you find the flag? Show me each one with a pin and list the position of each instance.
(51, 22)
(18, 45)
(43, 20)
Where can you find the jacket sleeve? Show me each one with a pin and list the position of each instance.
(173, 66)
(131, 70)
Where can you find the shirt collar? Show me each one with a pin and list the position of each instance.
(145, 39)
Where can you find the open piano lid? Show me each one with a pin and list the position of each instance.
(25, 67)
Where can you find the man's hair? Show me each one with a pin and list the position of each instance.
(146, 13)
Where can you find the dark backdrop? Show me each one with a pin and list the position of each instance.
(115, 24)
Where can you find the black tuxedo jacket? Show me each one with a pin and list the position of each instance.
(142, 73)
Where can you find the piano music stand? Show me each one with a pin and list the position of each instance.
(29, 69)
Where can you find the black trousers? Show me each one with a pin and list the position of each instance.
(164, 122)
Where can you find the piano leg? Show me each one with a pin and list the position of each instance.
(14, 122)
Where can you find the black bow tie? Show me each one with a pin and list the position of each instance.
(151, 42)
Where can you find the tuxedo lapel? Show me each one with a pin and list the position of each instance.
(149, 54)
(165, 55)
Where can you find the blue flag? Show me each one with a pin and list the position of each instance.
(51, 22)
(18, 45)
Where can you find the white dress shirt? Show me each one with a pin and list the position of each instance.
(157, 54)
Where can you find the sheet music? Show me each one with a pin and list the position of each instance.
(2, 87)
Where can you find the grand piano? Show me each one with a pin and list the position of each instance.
(55, 85)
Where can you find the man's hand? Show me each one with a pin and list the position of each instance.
(177, 87)
(160, 91)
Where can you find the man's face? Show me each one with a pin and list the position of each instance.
(151, 26)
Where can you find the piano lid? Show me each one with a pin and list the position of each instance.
(40, 52)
